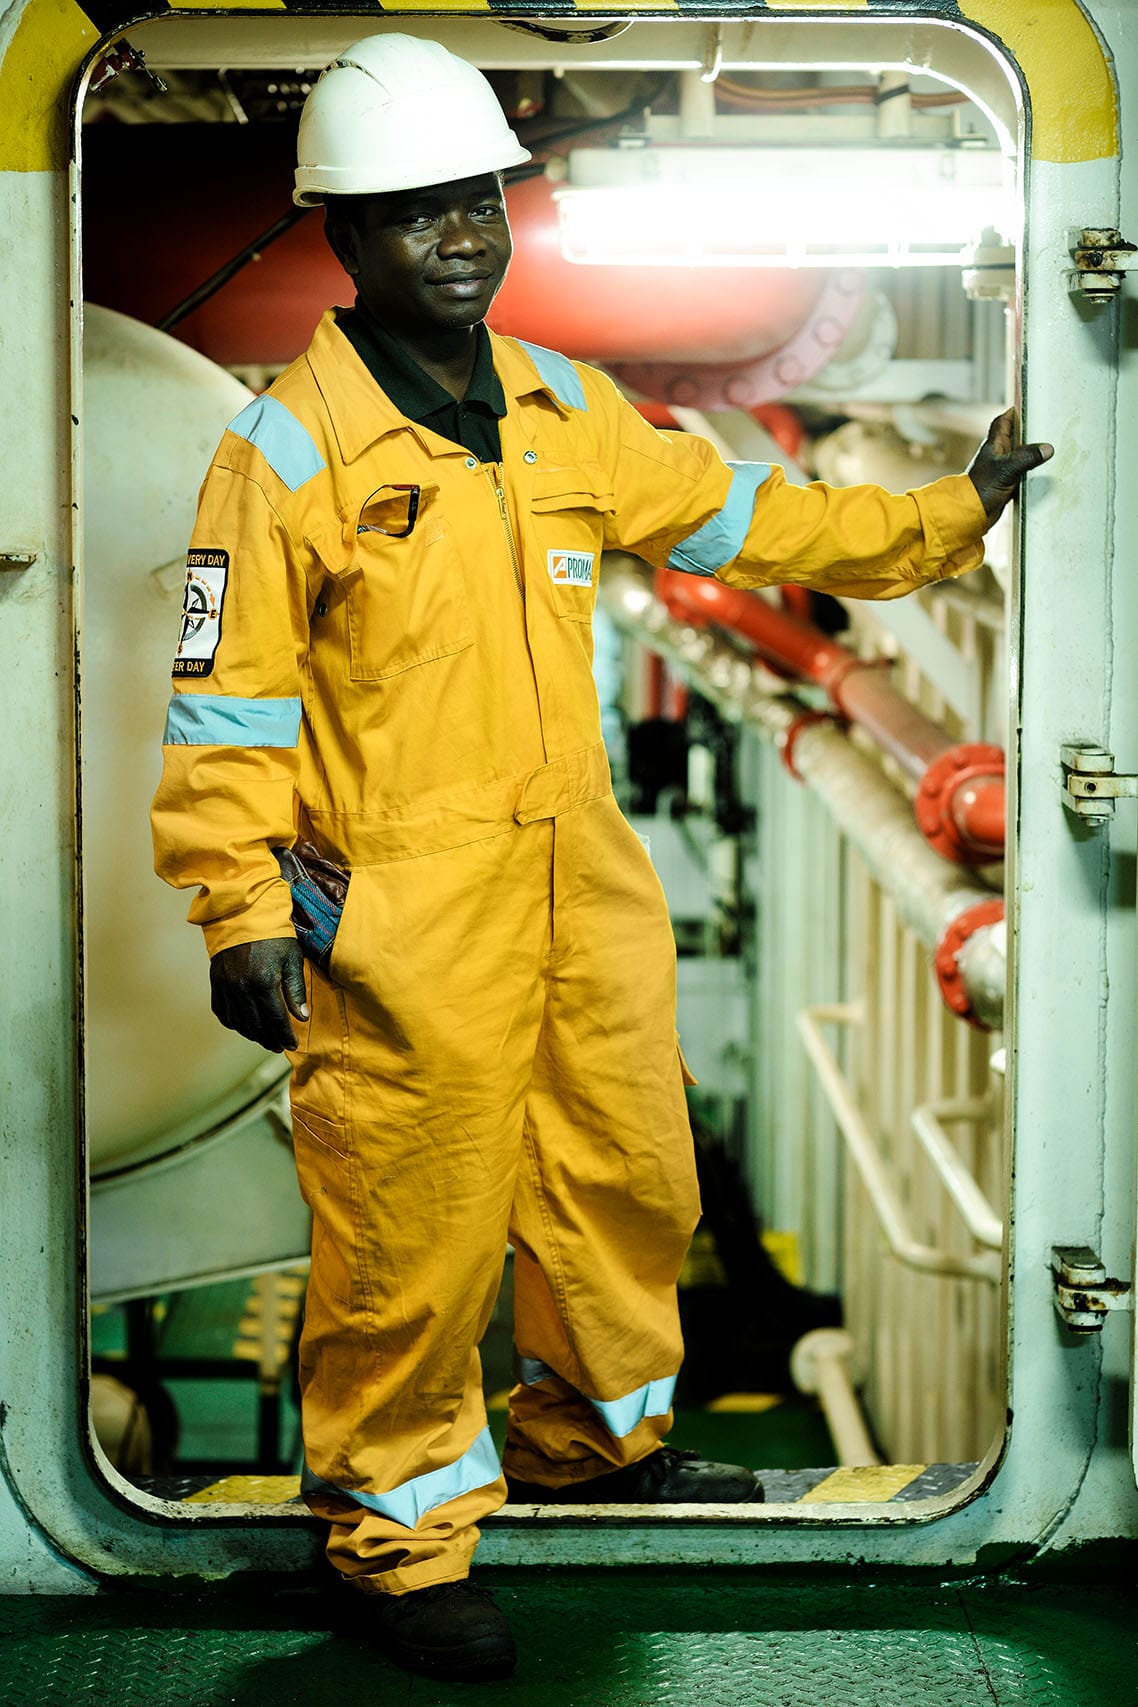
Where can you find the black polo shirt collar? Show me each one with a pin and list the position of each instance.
(472, 423)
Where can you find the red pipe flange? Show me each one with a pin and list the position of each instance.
(947, 960)
(788, 739)
(959, 806)
(739, 383)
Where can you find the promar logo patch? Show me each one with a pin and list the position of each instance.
(572, 568)
(206, 574)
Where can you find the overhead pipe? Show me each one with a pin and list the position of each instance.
(707, 383)
(960, 804)
(213, 214)
(960, 922)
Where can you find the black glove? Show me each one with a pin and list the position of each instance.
(256, 986)
(997, 469)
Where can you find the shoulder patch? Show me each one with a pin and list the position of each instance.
(207, 572)
(286, 446)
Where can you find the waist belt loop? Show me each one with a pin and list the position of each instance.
(562, 784)
(542, 794)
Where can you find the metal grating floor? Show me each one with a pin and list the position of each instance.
(589, 1639)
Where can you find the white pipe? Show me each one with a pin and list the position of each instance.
(983, 608)
(818, 1364)
(697, 103)
(928, 1120)
(983, 966)
(895, 104)
(872, 1171)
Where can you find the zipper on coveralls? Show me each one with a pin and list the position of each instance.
(494, 470)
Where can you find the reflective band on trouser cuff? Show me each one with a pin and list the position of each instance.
(477, 1468)
(286, 446)
(721, 539)
(620, 1416)
(532, 1370)
(219, 720)
(558, 373)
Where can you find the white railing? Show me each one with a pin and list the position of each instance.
(873, 1171)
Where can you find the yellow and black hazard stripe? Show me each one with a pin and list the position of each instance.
(872, 1484)
(1068, 80)
(110, 16)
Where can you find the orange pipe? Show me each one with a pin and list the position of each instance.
(960, 806)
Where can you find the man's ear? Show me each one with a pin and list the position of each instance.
(342, 240)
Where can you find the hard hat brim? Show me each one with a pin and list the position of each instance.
(314, 184)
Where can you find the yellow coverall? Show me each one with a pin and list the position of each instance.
(492, 1057)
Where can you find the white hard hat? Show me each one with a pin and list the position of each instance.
(396, 113)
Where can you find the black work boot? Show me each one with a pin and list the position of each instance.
(668, 1476)
(449, 1630)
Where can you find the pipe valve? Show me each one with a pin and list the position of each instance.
(960, 803)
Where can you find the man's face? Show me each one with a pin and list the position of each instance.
(429, 260)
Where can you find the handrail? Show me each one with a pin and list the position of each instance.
(872, 1170)
(927, 1121)
(818, 1365)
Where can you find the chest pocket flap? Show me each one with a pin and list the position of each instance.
(576, 486)
(405, 592)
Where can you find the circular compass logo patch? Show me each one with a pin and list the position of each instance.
(206, 575)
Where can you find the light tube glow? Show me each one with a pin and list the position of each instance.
(888, 206)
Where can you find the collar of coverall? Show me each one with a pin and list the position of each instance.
(409, 386)
(361, 413)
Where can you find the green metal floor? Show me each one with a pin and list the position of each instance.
(587, 1639)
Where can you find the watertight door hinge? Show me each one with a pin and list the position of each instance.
(122, 57)
(1083, 1294)
(1102, 260)
(1091, 785)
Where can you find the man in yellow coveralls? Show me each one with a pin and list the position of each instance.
(386, 652)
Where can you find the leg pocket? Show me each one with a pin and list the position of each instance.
(325, 1172)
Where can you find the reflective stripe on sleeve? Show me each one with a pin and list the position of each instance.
(477, 1468)
(620, 1416)
(286, 446)
(721, 538)
(558, 373)
(218, 720)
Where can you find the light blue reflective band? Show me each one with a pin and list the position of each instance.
(533, 1371)
(286, 446)
(558, 373)
(218, 720)
(721, 539)
(477, 1467)
(620, 1416)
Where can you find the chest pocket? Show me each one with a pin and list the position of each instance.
(569, 508)
(406, 596)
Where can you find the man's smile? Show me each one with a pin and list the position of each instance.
(460, 284)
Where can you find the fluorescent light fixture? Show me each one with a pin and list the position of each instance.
(886, 206)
